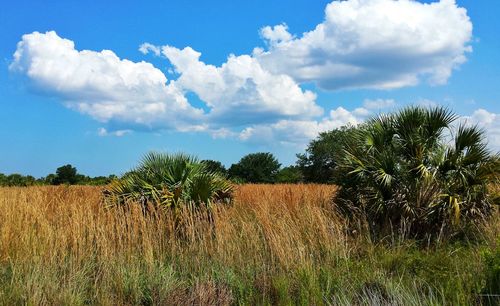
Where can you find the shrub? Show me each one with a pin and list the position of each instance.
(169, 180)
(399, 172)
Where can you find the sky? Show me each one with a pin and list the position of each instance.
(98, 84)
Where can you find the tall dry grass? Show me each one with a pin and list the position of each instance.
(275, 244)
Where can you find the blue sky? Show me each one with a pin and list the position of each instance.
(221, 79)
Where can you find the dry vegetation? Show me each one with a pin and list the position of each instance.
(276, 244)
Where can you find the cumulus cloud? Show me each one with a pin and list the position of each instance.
(110, 89)
(100, 84)
(299, 132)
(258, 97)
(278, 33)
(240, 90)
(377, 44)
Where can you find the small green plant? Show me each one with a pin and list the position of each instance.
(491, 289)
(169, 180)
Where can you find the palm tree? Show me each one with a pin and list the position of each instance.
(169, 180)
(400, 171)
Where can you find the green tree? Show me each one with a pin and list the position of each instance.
(49, 179)
(66, 174)
(16, 179)
(256, 168)
(400, 173)
(29, 180)
(290, 174)
(317, 164)
(214, 166)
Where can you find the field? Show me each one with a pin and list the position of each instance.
(276, 244)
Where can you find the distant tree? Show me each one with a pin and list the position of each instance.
(214, 166)
(16, 179)
(323, 154)
(256, 168)
(29, 180)
(100, 180)
(290, 174)
(66, 174)
(82, 179)
(49, 179)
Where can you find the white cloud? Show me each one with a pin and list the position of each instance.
(276, 34)
(240, 90)
(118, 133)
(373, 44)
(129, 95)
(490, 122)
(378, 104)
(100, 84)
(298, 132)
(257, 98)
(427, 103)
(147, 47)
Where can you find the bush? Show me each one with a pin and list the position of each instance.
(170, 181)
(399, 173)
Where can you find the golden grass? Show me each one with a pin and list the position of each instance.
(280, 227)
(51, 223)
(60, 245)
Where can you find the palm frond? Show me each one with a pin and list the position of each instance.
(169, 180)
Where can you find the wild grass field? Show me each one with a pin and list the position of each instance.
(275, 244)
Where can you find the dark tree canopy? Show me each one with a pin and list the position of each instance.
(16, 179)
(66, 174)
(214, 166)
(256, 168)
(323, 154)
(290, 174)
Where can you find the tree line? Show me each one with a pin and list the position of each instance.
(318, 164)
(261, 167)
(66, 174)
(315, 165)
